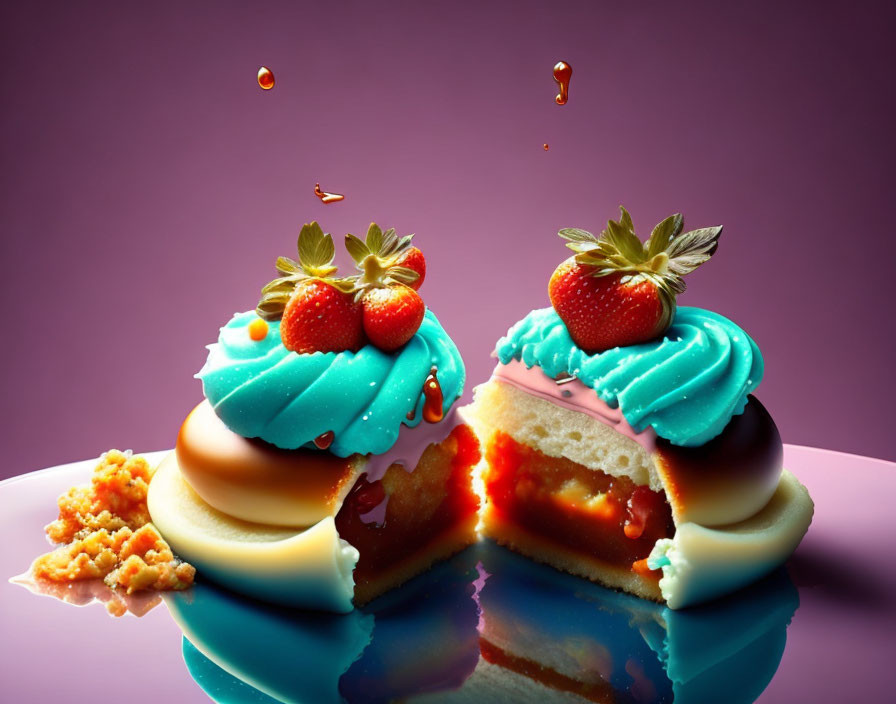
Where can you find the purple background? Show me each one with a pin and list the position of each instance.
(148, 184)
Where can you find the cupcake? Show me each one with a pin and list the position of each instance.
(327, 463)
(622, 439)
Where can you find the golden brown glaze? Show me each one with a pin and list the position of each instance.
(728, 479)
(255, 481)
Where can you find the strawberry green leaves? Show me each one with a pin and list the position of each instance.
(663, 233)
(661, 262)
(666, 256)
(316, 253)
(378, 257)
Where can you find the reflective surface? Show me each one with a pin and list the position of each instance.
(486, 626)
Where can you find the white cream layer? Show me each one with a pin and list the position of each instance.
(309, 567)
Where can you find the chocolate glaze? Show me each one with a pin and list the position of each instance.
(748, 452)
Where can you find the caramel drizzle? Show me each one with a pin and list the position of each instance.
(325, 197)
(265, 78)
(562, 74)
(324, 440)
(432, 394)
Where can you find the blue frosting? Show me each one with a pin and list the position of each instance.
(687, 385)
(262, 390)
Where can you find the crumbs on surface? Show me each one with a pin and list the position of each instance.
(107, 533)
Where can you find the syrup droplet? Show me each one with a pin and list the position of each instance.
(258, 330)
(411, 414)
(368, 495)
(265, 78)
(324, 440)
(327, 197)
(546, 147)
(562, 74)
(432, 394)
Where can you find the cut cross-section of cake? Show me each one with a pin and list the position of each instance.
(327, 463)
(621, 439)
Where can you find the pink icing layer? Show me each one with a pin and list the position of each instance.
(407, 451)
(572, 394)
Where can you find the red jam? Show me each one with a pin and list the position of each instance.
(610, 519)
(423, 505)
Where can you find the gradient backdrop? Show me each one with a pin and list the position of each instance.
(148, 184)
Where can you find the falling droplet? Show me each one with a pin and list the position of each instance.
(324, 440)
(432, 394)
(265, 78)
(327, 197)
(562, 74)
(546, 147)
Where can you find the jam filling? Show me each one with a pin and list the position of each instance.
(605, 518)
(423, 505)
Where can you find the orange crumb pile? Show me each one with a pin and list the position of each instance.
(108, 534)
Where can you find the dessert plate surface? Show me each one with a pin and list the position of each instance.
(487, 626)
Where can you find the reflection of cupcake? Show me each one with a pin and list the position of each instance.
(419, 638)
(291, 656)
(425, 637)
(622, 440)
(327, 462)
(547, 635)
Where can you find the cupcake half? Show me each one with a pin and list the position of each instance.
(321, 470)
(621, 439)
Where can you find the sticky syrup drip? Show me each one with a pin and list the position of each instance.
(324, 440)
(327, 197)
(432, 394)
(562, 74)
(265, 78)
(411, 413)
(546, 147)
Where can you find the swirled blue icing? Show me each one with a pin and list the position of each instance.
(262, 390)
(686, 385)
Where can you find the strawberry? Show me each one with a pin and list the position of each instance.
(604, 312)
(618, 291)
(392, 314)
(390, 271)
(413, 260)
(320, 318)
(318, 312)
